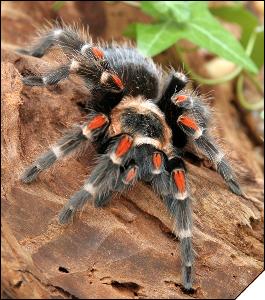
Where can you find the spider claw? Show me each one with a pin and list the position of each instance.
(35, 53)
(187, 280)
(234, 187)
(23, 51)
(30, 174)
(33, 80)
(76, 202)
(65, 215)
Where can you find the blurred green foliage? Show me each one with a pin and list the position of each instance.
(57, 5)
(248, 22)
(194, 21)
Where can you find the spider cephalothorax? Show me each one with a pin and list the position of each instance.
(139, 119)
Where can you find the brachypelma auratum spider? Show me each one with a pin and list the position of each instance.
(140, 119)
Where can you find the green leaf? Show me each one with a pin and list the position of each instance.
(151, 8)
(57, 5)
(208, 33)
(179, 11)
(131, 31)
(248, 22)
(153, 39)
(258, 49)
(240, 15)
(197, 26)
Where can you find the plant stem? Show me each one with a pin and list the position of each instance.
(204, 80)
(239, 87)
(225, 78)
(242, 100)
(255, 82)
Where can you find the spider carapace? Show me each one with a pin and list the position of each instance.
(140, 119)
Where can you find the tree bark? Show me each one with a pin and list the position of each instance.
(125, 250)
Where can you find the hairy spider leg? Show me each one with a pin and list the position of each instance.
(85, 60)
(193, 122)
(171, 184)
(189, 117)
(93, 73)
(68, 38)
(128, 177)
(175, 82)
(178, 202)
(168, 179)
(91, 130)
(145, 161)
(104, 177)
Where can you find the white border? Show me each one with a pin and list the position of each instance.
(255, 290)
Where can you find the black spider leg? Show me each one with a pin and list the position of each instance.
(175, 82)
(168, 179)
(89, 131)
(183, 107)
(128, 177)
(85, 60)
(95, 73)
(106, 176)
(66, 37)
(217, 157)
(144, 163)
(193, 122)
(178, 202)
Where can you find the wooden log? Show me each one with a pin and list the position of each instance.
(125, 250)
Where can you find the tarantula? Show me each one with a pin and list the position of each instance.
(140, 120)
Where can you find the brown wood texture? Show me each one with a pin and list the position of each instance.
(125, 250)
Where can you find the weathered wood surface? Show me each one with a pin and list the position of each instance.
(125, 250)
